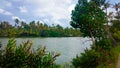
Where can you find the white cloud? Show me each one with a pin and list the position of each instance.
(68, 1)
(5, 4)
(1, 11)
(71, 7)
(4, 12)
(52, 11)
(58, 22)
(16, 0)
(111, 10)
(15, 17)
(23, 9)
(56, 9)
(7, 13)
(46, 20)
(8, 4)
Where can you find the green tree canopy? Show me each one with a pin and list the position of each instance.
(89, 18)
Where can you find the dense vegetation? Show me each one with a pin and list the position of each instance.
(115, 28)
(23, 56)
(90, 17)
(92, 20)
(35, 29)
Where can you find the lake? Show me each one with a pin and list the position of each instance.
(68, 47)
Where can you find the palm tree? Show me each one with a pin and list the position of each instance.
(106, 6)
(117, 6)
(16, 22)
(22, 24)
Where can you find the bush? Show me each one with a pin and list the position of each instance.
(89, 59)
(23, 56)
(116, 35)
(92, 58)
(104, 44)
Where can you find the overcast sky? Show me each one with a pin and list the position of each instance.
(46, 11)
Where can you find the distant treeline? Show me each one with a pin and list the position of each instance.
(35, 29)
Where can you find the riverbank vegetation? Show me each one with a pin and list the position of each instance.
(35, 29)
(90, 17)
(102, 27)
(23, 56)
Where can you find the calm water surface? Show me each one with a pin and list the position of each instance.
(68, 47)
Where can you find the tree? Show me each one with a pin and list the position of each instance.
(32, 25)
(109, 17)
(117, 6)
(115, 28)
(106, 6)
(89, 18)
(22, 24)
(16, 22)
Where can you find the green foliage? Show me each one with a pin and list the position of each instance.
(104, 43)
(115, 28)
(23, 56)
(35, 29)
(113, 58)
(116, 35)
(1, 53)
(89, 59)
(89, 18)
(94, 58)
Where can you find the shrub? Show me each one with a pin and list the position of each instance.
(23, 56)
(116, 35)
(89, 59)
(104, 44)
(93, 58)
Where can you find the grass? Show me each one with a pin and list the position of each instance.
(113, 59)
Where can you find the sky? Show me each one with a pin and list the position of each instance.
(45, 11)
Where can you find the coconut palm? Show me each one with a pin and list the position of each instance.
(117, 6)
(16, 22)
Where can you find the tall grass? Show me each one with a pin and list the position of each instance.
(112, 59)
(23, 56)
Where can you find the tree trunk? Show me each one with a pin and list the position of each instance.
(93, 39)
(113, 41)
